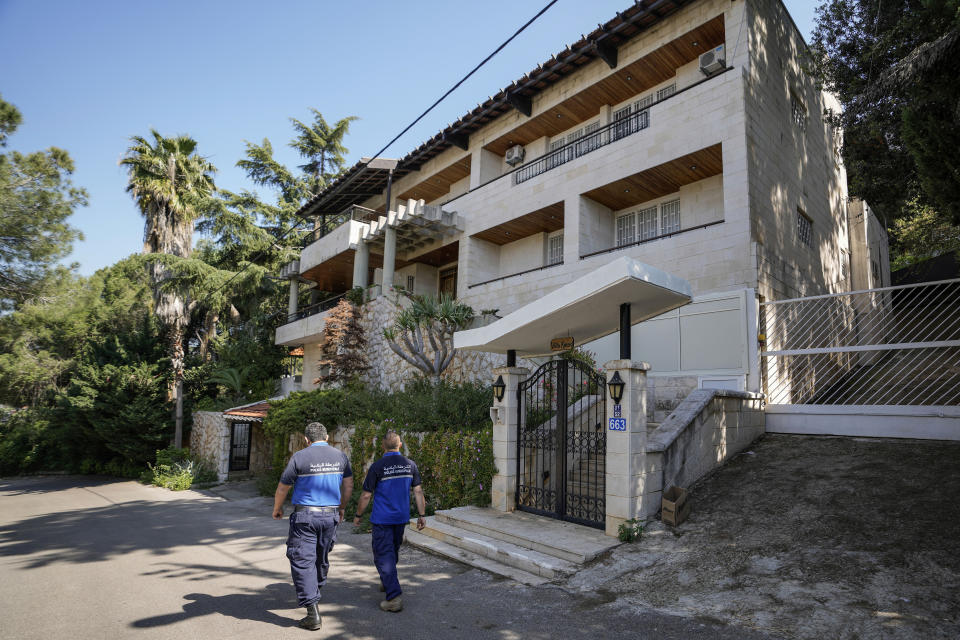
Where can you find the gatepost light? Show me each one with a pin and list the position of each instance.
(615, 386)
(499, 387)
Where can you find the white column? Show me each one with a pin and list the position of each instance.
(294, 294)
(505, 423)
(626, 450)
(361, 265)
(389, 258)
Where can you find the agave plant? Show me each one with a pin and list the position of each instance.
(422, 333)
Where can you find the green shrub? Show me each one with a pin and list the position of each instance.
(177, 470)
(630, 530)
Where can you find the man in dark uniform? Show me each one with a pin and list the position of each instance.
(317, 475)
(389, 481)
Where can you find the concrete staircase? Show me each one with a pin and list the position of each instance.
(521, 546)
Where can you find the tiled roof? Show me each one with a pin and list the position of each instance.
(255, 412)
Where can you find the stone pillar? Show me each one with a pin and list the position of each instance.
(504, 416)
(361, 265)
(294, 295)
(626, 450)
(389, 258)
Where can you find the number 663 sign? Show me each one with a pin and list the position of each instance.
(618, 424)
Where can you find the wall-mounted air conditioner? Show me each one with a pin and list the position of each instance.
(713, 61)
(514, 155)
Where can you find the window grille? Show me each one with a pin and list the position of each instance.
(555, 249)
(647, 223)
(666, 91)
(626, 229)
(555, 160)
(670, 217)
(798, 111)
(591, 142)
(804, 229)
(410, 282)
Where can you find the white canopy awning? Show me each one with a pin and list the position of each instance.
(586, 309)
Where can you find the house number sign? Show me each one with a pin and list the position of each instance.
(561, 344)
(618, 424)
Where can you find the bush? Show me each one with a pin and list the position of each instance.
(177, 470)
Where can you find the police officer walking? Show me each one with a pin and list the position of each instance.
(389, 481)
(322, 483)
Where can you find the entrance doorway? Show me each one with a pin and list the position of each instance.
(240, 446)
(562, 443)
(448, 282)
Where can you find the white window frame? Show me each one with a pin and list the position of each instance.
(647, 223)
(666, 92)
(555, 248)
(670, 217)
(626, 229)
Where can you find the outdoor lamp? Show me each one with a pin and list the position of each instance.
(499, 387)
(616, 387)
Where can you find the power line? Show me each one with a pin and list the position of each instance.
(343, 185)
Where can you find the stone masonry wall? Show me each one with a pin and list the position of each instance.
(210, 441)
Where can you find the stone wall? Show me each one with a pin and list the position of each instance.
(708, 428)
(210, 441)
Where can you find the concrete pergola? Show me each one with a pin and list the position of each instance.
(609, 299)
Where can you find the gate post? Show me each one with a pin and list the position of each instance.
(504, 414)
(626, 449)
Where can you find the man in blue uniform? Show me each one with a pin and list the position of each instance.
(322, 483)
(389, 481)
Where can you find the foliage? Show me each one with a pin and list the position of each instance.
(233, 379)
(438, 318)
(36, 198)
(891, 64)
(177, 470)
(22, 441)
(344, 346)
(921, 235)
(357, 295)
(630, 530)
(457, 406)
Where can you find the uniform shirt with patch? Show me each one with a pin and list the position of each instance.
(316, 474)
(389, 480)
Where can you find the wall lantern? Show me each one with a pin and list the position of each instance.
(616, 387)
(499, 387)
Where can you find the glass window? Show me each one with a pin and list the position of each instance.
(626, 229)
(647, 223)
(804, 229)
(555, 249)
(670, 217)
(798, 111)
(666, 91)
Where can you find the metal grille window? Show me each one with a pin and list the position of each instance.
(666, 91)
(555, 249)
(798, 111)
(555, 160)
(804, 229)
(670, 217)
(591, 142)
(647, 223)
(626, 229)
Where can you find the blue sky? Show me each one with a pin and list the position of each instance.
(88, 75)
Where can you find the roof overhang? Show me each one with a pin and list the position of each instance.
(585, 309)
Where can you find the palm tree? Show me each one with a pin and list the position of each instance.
(322, 146)
(171, 185)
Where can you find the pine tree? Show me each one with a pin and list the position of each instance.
(344, 347)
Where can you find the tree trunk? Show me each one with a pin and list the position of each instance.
(178, 431)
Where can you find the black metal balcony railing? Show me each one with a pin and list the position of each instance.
(583, 145)
(329, 223)
(314, 309)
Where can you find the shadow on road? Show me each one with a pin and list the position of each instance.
(251, 605)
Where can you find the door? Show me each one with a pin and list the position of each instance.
(561, 443)
(448, 282)
(240, 446)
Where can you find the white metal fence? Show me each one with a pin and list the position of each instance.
(891, 346)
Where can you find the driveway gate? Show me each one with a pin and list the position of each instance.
(561, 443)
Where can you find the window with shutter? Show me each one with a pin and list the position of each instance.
(647, 223)
(555, 249)
(626, 229)
(670, 217)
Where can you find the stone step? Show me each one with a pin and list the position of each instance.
(440, 548)
(564, 540)
(547, 566)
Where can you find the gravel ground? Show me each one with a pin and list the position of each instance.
(808, 537)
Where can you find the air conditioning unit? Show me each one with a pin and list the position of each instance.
(713, 61)
(514, 155)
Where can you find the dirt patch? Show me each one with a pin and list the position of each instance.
(809, 537)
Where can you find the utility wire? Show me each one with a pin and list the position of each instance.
(343, 185)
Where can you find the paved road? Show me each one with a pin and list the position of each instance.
(86, 558)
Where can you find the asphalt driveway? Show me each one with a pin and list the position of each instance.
(86, 558)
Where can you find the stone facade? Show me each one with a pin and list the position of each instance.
(210, 441)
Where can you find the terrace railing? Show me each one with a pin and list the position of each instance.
(313, 309)
(583, 145)
(329, 223)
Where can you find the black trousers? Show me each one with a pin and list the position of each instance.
(311, 539)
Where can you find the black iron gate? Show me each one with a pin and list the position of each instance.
(240, 446)
(562, 444)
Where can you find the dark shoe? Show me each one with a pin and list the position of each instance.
(312, 621)
(392, 606)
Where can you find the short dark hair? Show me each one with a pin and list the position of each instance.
(315, 432)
